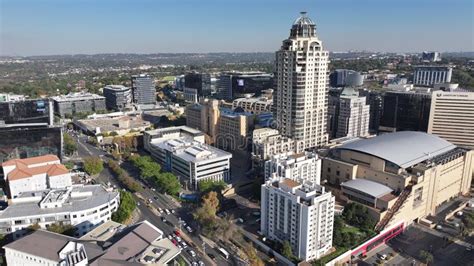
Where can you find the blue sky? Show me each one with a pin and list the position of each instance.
(39, 27)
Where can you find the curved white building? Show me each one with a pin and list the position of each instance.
(83, 206)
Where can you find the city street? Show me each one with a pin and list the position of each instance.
(150, 211)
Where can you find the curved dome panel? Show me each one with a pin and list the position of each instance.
(404, 148)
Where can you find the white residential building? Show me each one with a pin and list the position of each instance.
(298, 167)
(187, 156)
(81, 206)
(300, 98)
(35, 173)
(349, 115)
(301, 214)
(254, 105)
(267, 142)
(430, 75)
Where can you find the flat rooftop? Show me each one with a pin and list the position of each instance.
(112, 124)
(190, 150)
(89, 196)
(77, 97)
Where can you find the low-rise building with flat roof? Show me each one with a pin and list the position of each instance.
(79, 102)
(182, 150)
(120, 125)
(83, 206)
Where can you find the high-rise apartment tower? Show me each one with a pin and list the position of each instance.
(300, 98)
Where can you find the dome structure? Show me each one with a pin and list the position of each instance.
(303, 27)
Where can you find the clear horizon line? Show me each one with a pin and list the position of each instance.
(256, 52)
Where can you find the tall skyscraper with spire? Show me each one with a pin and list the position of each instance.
(300, 98)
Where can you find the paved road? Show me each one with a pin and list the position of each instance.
(158, 201)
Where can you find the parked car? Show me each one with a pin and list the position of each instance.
(201, 263)
(192, 253)
(189, 229)
(177, 232)
(167, 211)
(211, 256)
(383, 256)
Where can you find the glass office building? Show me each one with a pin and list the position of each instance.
(22, 141)
(404, 111)
(26, 111)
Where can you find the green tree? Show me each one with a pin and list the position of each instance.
(69, 165)
(426, 256)
(168, 183)
(34, 227)
(93, 165)
(210, 185)
(358, 215)
(70, 145)
(126, 207)
(60, 228)
(286, 250)
(206, 214)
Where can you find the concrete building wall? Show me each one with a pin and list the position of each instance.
(452, 117)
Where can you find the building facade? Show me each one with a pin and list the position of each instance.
(26, 140)
(254, 105)
(35, 173)
(348, 115)
(405, 111)
(232, 85)
(182, 150)
(76, 103)
(300, 97)
(345, 77)
(375, 100)
(302, 214)
(298, 167)
(430, 75)
(27, 111)
(411, 174)
(452, 117)
(117, 97)
(136, 244)
(267, 142)
(431, 56)
(82, 206)
(227, 129)
(201, 82)
(143, 89)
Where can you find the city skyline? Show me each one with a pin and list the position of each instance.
(78, 27)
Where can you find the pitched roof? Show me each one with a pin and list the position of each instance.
(32, 160)
(51, 170)
(47, 245)
(134, 242)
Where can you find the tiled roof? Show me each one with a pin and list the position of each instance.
(32, 160)
(24, 170)
(51, 170)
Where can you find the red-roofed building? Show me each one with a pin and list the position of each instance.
(35, 173)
